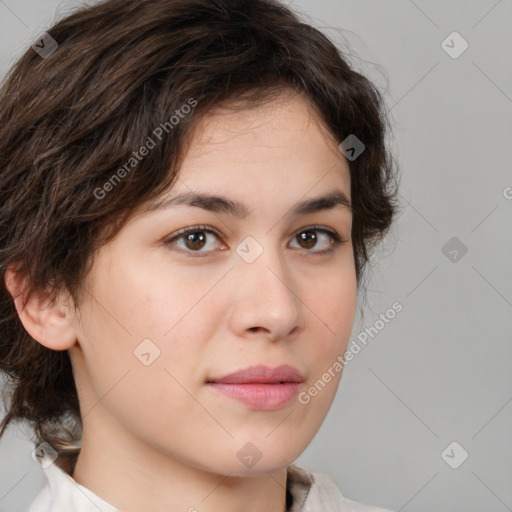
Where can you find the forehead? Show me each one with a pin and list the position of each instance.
(281, 123)
(239, 159)
(282, 141)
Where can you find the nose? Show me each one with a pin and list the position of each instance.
(265, 298)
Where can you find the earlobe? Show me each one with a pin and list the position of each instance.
(47, 322)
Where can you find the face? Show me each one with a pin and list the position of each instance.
(167, 312)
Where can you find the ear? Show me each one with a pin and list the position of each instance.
(47, 322)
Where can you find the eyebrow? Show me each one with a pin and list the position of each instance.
(219, 204)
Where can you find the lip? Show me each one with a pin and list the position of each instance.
(260, 387)
(261, 374)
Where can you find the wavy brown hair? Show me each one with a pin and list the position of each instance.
(71, 120)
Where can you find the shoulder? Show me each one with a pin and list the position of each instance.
(42, 501)
(63, 494)
(313, 491)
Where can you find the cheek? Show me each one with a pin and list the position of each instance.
(133, 302)
(332, 311)
(161, 300)
(331, 316)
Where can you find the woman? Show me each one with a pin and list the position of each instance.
(190, 191)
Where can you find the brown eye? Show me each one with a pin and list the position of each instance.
(311, 237)
(194, 239)
(308, 238)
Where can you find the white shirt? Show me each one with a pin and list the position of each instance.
(311, 492)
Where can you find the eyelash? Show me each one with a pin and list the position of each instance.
(336, 239)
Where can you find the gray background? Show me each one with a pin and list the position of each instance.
(440, 370)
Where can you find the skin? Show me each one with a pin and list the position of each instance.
(155, 437)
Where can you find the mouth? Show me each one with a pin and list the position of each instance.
(260, 387)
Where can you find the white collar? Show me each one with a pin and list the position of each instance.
(311, 492)
(63, 494)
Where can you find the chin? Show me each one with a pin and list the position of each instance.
(267, 457)
(259, 469)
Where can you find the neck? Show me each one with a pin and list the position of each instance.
(135, 477)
